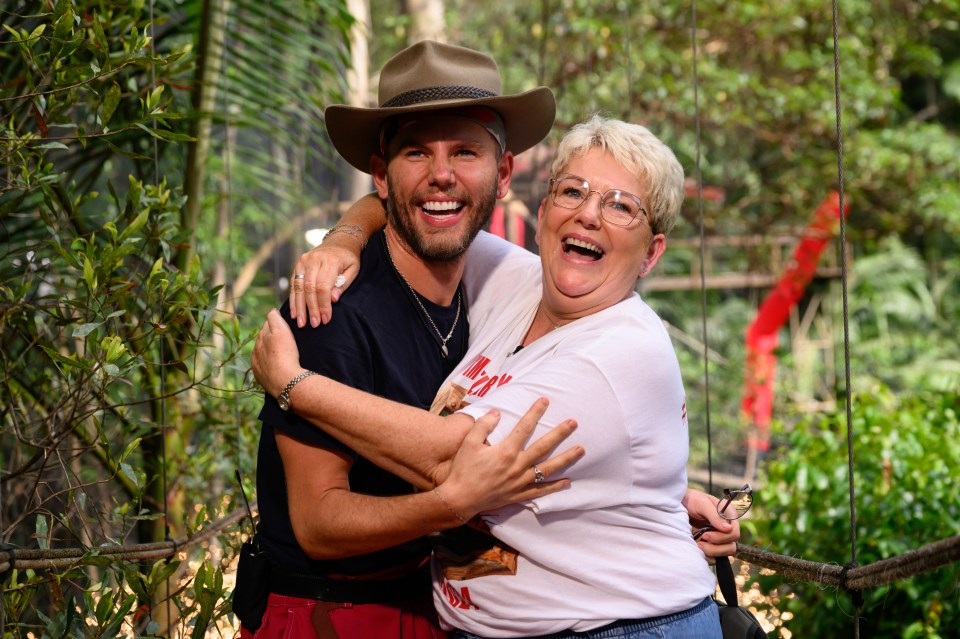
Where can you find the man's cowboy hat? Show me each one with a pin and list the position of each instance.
(430, 76)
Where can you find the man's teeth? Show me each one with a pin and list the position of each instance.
(441, 207)
(570, 241)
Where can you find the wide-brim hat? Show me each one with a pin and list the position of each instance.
(431, 76)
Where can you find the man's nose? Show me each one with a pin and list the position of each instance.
(442, 170)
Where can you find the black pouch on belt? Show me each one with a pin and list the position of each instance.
(252, 590)
(253, 577)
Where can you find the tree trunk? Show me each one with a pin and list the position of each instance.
(426, 20)
(210, 43)
(358, 82)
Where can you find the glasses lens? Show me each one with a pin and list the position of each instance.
(619, 207)
(735, 503)
(570, 192)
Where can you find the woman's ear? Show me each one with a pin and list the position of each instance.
(658, 244)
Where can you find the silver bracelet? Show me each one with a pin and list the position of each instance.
(352, 230)
(456, 514)
(284, 397)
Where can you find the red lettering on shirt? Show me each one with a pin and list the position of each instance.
(476, 367)
(504, 379)
(483, 391)
(458, 599)
(480, 382)
(683, 411)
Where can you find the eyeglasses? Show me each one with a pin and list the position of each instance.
(616, 207)
(733, 505)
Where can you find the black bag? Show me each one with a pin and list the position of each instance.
(735, 622)
(252, 590)
(253, 576)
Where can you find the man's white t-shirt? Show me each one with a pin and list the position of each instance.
(617, 544)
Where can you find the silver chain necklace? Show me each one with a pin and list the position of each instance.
(443, 340)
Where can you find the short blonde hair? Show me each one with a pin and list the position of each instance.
(639, 151)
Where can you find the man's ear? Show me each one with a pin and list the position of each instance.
(504, 173)
(378, 169)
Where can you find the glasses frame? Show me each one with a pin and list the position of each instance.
(562, 176)
(729, 496)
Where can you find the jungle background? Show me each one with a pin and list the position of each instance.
(161, 162)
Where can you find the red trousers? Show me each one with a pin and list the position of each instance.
(296, 618)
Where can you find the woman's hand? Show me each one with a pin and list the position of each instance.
(326, 272)
(276, 358)
(484, 477)
(702, 510)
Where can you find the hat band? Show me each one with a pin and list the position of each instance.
(429, 94)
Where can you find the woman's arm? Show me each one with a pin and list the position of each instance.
(409, 442)
(339, 254)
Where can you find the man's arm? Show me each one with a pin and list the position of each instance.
(311, 296)
(329, 521)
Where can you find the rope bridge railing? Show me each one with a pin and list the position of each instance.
(60, 558)
(923, 559)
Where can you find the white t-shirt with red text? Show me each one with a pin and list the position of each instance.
(617, 543)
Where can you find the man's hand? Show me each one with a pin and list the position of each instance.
(326, 272)
(276, 358)
(702, 510)
(484, 477)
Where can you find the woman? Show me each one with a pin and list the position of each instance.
(614, 551)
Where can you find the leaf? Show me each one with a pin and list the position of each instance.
(169, 136)
(85, 329)
(42, 532)
(135, 225)
(38, 117)
(130, 474)
(130, 448)
(89, 276)
(109, 105)
(112, 629)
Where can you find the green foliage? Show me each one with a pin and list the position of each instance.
(907, 457)
(124, 388)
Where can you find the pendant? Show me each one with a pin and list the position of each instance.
(443, 351)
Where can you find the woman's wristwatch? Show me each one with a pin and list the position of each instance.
(284, 397)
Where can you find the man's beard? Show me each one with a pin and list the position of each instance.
(440, 251)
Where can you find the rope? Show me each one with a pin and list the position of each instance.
(857, 578)
(58, 559)
(846, 328)
(703, 275)
(885, 571)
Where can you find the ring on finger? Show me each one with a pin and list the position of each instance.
(299, 276)
(537, 476)
(341, 280)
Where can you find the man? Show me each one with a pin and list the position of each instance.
(347, 538)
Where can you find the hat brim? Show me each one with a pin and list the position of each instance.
(355, 131)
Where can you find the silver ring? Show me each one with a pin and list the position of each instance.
(537, 476)
(341, 280)
(298, 276)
